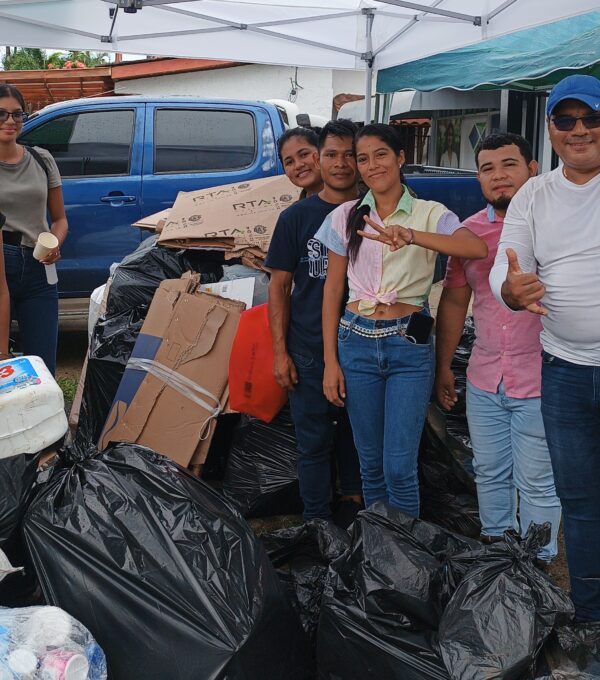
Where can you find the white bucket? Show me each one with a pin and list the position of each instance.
(32, 407)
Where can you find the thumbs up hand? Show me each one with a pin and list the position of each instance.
(522, 291)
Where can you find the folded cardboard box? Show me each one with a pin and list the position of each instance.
(153, 222)
(233, 215)
(176, 381)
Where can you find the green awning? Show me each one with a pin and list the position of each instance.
(532, 59)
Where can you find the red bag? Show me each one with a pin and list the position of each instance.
(252, 386)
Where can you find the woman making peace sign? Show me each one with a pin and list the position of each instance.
(385, 245)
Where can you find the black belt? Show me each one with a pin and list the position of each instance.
(13, 238)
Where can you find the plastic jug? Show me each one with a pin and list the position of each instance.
(32, 407)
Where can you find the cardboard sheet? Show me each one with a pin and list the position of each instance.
(187, 334)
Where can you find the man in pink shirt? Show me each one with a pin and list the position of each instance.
(511, 459)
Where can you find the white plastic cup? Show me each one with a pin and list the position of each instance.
(46, 243)
(64, 665)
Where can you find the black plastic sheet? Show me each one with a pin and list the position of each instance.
(169, 579)
(502, 610)
(302, 556)
(384, 598)
(133, 285)
(261, 476)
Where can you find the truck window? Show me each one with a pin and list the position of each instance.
(93, 143)
(203, 140)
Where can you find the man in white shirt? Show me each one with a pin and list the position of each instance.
(548, 263)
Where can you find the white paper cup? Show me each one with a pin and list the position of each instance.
(46, 243)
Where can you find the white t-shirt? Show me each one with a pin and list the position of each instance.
(554, 227)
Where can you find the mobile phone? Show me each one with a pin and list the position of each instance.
(419, 328)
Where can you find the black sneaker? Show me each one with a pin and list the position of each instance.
(345, 513)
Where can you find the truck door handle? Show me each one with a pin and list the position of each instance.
(117, 200)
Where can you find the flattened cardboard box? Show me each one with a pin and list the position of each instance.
(190, 333)
(243, 213)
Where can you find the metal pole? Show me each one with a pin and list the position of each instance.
(369, 69)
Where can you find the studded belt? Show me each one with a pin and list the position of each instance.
(374, 332)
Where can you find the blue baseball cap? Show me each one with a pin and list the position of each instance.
(584, 89)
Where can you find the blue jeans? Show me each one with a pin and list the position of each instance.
(388, 385)
(321, 429)
(510, 456)
(34, 304)
(571, 411)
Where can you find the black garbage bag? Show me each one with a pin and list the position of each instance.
(502, 610)
(169, 579)
(448, 492)
(384, 598)
(17, 480)
(133, 285)
(17, 477)
(572, 653)
(456, 419)
(111, 345)
(261, 477)
(301, 556)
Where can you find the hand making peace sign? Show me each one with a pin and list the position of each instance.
(395, 236)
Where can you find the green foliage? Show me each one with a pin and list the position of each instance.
(29, 59)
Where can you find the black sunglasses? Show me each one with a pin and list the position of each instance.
(17, 116)
(568, 123)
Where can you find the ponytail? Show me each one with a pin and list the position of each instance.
(355, 222)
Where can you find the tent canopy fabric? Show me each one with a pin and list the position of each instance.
(535, 58)
(338, 34)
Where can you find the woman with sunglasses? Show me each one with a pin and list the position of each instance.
(30, 187)
(379, 354)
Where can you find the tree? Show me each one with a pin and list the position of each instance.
(24, 59)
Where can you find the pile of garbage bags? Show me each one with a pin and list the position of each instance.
(261, 476)
(131, 290)
(45, 643)
(409, 600)
(168, 577)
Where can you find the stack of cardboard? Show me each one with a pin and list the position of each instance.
(176, 382)
(236, 218)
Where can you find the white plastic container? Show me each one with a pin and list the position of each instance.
(32, 407)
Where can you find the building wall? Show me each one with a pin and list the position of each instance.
(253, 81)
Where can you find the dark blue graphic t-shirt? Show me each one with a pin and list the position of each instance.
(294, 249)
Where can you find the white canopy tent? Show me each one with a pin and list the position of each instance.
(338, 34)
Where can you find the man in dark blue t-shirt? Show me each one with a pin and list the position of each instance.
(296, 257)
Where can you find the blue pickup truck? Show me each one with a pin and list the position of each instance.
(122, 158)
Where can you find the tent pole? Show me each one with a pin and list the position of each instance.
(369, 62)
(368, 92)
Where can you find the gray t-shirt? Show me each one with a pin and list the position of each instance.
(24, 194)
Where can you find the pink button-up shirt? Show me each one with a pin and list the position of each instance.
(507, 345)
